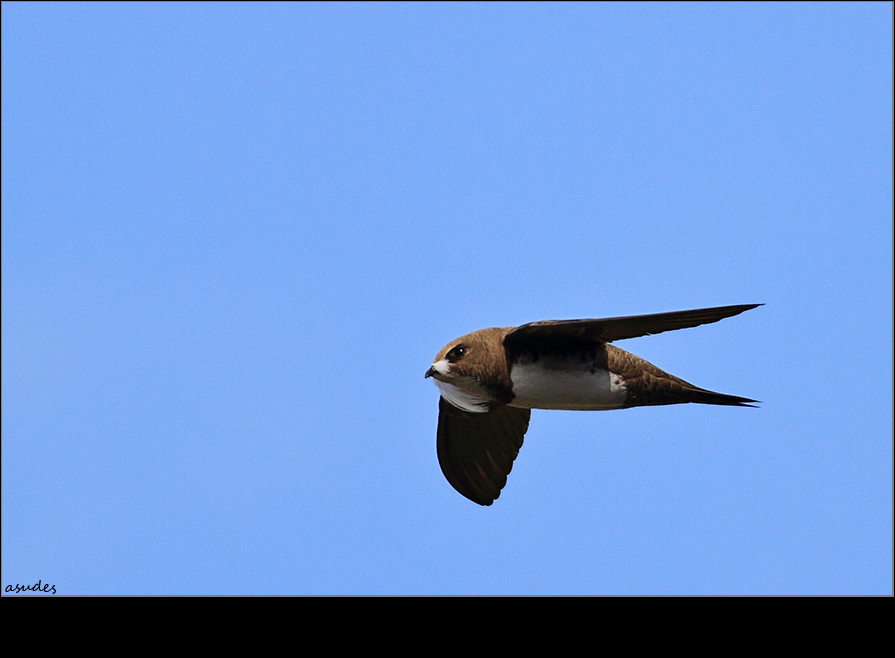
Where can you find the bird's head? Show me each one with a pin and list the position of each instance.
(468, 370)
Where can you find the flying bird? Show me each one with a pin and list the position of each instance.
(491, 379)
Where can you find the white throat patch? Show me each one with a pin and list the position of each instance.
(461, 398)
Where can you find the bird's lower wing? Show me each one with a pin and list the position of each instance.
(476, 451)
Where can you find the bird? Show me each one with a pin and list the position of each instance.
(491, 379)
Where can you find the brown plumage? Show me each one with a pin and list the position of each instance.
(490, 380)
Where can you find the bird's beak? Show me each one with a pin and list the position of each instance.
(430, 371)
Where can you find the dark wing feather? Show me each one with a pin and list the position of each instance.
(476, 451)
(610, 329)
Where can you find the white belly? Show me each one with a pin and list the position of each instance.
(539, 386)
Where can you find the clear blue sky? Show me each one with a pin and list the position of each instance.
(234, 237)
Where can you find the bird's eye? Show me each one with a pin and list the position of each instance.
(456, 353)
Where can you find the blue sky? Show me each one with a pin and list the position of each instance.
(234, 237)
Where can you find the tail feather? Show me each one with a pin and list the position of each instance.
(648, 385)
(702, 396)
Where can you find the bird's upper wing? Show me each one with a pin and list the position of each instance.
(476, 450)
(610, 329)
